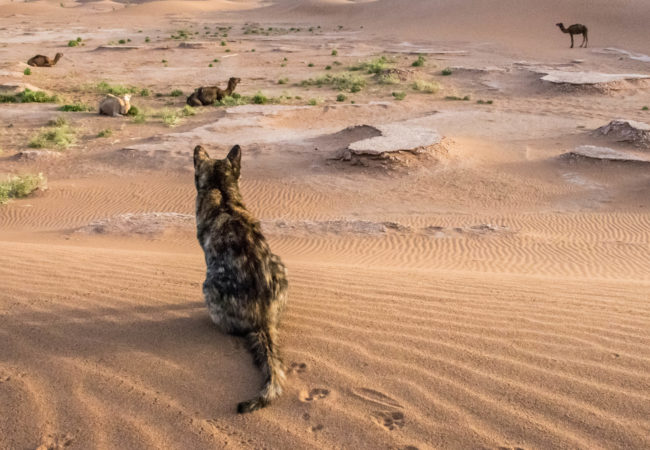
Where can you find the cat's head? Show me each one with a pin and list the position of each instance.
(221, 174)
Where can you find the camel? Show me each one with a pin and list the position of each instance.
(575, 29)
(114, 106)
(207, 95)
(44, 61)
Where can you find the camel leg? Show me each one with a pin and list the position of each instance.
(586, 40)
(571, 40)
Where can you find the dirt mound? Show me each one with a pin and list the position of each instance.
(629, 131)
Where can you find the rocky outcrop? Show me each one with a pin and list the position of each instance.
(629, 131)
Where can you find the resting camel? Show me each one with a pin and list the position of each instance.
(114, 106)
(207, 95)
(575, 29)
(44, 61)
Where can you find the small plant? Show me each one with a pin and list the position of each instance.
(73, 43)
(144, 92)
(456, 98)
(234, 100)
(105, 133)
(170, 117)
(164, 61)
(223, 43)
(335, 52)
(259, 99)
(484, 102)
(27, 71)
(210, 65)
(375, 66)
(312, 102)
(328, 67)
(29, 96)
(428, 87)
(310, 65)
(446, 72)
(121, 41)
(116, 89)
(341, 98)
(188, 111)
(283, 81)
(645, 108)
(133, 111)
(215, 60)
(176, 93)
(59, 135)
(75, 107)
(419, 62)
(399, 95)
(342, 82)
(20, 186)
(146, 39)
(388, 78)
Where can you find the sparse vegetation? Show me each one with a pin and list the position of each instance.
(310, 65)
(233, 100)
(75, 107)
(456, 98)
(144, 92)
(335, 52)
(146, 39)
(19, 186)
(176, 93)
(428, 87)
(375, 66)
(188, 111)
(133, 111)
(312, 102)
(483, 102)
(73, 43)
(29, 96)
(328, 67)
(419, 62)
(388, 78)
(259, 99)
(283, 81)
(399, 95)
(121, 41)
(116, 89)
(170, 117)
(341, 98)
(645, 108)
(59, 135)
(342, 82)
(27, 71)
(105, 133)
(446, 72)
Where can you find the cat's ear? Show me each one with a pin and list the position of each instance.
(234, 156)
(200, 155)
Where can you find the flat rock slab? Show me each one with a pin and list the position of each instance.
(396, 137)
(635, 56)
(588, 78)
(605, 154)
(636, 133)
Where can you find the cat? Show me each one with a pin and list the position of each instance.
(245, 286)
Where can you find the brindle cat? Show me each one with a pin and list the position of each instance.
(245, 286)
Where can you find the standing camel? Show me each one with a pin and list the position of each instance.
(575, 29)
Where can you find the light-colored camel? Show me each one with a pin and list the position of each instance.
(44, 61)
(575, 29)
(114, 106)
(207, 95)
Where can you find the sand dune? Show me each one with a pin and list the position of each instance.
(489, 292)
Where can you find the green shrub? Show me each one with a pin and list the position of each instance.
(121, 41)
(144, 92)
(75, 107)
(29, 96)
(388, 78)
(419, 62)
(483, 102)
(259, 99)
(446, 72)
(310, 65)
(188, 111)
(335, 52)
(341, 98)
(133, 111)
(223, 43)
(73, 43)
(59, 135)
(170, 117)
(105, 133)
(645, 108)
(342, 82)
(375, 66)
(27, 71)
(399, 95)
(283, 81)
(234, 100)
(176, 93)
(312, 102)
(147, 39)
(116, 89)
(328, 67)
(19, 186)
(428, 87)
(456, 98)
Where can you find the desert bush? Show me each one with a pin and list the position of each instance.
(456, 98)
(259, 99)
(483, 102)
(283, 81)
(105, 133)
(446, 72)
(342, 82)
(188, 111)
(58, 135)
(419, 62)
(388, 78)
(341, 98)
(75, 107)
(176, 93)
(19, 186)
(116, 89)
(375, 66)
(428, 87)
(399, 95)
(27, 71)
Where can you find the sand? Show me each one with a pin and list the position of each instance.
(488, 292)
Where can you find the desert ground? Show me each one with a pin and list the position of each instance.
(468, 250)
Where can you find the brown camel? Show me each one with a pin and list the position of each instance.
(44, 61)
(207, 95)
(575, 29)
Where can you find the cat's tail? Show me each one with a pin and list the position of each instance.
(262, 344)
